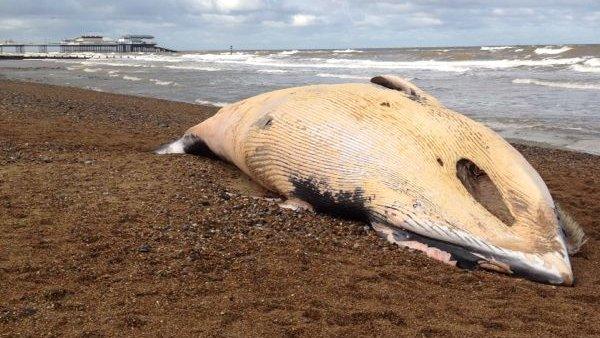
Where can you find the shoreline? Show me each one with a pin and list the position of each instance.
(513, 141)
(100, 237)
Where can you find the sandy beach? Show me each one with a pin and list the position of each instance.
(100, 237)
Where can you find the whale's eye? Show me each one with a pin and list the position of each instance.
(484, 191)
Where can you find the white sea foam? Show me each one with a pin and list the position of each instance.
(518, 50)
(235, 53)
(448, 66)
(272, 71)
(227, 58)
(589, 146)
(589, 66)
(324, 63)
(345, 51)
(211, 103)
(343, 76)
(549, 50)
(92, 70)
(96, 89)
(162, 83)
(202, 68)
(113, 64)
(568, 85)
(131, 78)
(495, 48)
(289, 52)
(154, 58)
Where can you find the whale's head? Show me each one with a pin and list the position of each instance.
(472, 200)
(495, 215)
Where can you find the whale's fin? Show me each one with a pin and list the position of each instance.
(405, 86)
(296, 205)
(573, 231)
(187, 144)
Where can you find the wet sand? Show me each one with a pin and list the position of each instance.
(100, 237)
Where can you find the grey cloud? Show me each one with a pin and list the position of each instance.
(208, 24)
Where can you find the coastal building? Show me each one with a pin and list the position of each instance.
(88, 43)
(126, 44)
(129, 43)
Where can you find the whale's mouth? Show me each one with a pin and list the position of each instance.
(467, 258)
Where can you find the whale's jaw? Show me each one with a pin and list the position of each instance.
(550, 268)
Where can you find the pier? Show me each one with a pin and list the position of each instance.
(20, 48)
(89, 43)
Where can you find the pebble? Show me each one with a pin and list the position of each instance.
(29, 311)
(144, 248)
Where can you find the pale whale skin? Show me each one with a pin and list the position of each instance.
(387, 153)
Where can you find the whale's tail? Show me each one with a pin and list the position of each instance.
(187, 144)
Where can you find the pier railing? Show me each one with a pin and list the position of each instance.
(21, 48)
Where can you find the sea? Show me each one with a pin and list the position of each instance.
(546, 95)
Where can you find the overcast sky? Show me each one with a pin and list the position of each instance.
(284, 24)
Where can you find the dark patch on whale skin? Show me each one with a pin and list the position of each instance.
(343, 204)
(264, 122)
(195, 146)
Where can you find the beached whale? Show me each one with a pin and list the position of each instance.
(390, 154)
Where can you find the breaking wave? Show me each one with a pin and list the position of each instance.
(113, 64)
(272, 71)
(289, 52)
(589, 66)
(324, 63)
(202, 68)
(568, 85)
(549, 50)
(495, 48)
(340, 60)
(347, 51)
(343, 76)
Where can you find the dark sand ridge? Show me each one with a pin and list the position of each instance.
(98, 236)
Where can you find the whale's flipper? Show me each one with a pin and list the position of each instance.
(296, 205)
(187, 144)
(405, 86)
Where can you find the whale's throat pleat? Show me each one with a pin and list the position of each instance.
(484, 191)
